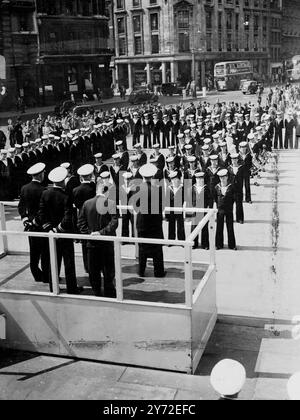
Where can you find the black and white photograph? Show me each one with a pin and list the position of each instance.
(149, 203)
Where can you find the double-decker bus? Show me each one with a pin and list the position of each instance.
(228, 75)
(293, 69)
(2, 78)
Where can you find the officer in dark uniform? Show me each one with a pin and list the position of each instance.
(99, 217)
(211, 175)
(147, 125)
(55, 215)
(150, 223)
(224, 197)
(124, 155)
(28, 209)
(127, 191)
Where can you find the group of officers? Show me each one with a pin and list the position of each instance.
(82, 194)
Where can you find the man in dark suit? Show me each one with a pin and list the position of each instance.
(99, 217)
(81, 194)
(224, 197)
(55, 215)
(278, 128)
(149, 222)
(28, 209)
(136, 128)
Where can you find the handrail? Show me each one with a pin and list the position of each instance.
(117, 240)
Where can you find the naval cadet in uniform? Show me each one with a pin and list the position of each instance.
(150, 222)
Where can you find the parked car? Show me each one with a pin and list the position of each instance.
(64, 107)
(141, 96)
(249, 87)
(81, 110)
(171, 89)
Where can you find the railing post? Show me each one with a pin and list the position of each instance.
(212, 238)
(136, 245)
(3, 228)
(188, 269)
(118, 270)
(54, 266)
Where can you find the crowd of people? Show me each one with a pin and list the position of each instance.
(67, 172)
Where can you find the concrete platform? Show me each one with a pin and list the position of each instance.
(266, 350)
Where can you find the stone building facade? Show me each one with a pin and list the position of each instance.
(158, 41)
(55, 49)
(290, 29)
(19, 47)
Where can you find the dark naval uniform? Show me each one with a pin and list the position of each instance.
(56, 214)
(225, 200)
(28, 209)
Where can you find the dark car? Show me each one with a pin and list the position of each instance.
(81, 110)
(249, 87)
(64, 107)
(142, 96)
(171, 89)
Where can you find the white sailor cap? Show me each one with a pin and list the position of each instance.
(12, 150)
(3, 151)
(45, 137)
(127, 175)
(85, 170)
(293, 387)
(38, 141)
(180, 135)
(228, 377)
(51, 136)
(66, 165)
(187, 131)
(18, 146)
(25, 144)
(223, 144)
(222, 173)
(243, 144)
(215, 136)
(137, 146)
(58, 175)
(116, 156)
(98, 155)
(63, 136)
(119, 143)
(75, 138)
(207, 141)
(174, 175)
(250, 136)
(70, 136)
(36, 169)
(199, 175)
(188, 147)
(171, 147)
(134, 158)
(191, 159)
(156, 146)
(170, 159)
(234, 155)
(148, 171)
(214, 157)
(193, 126)
(105, 175)
(258, 128)
(206, 147)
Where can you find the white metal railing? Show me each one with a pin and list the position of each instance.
(117, 240)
